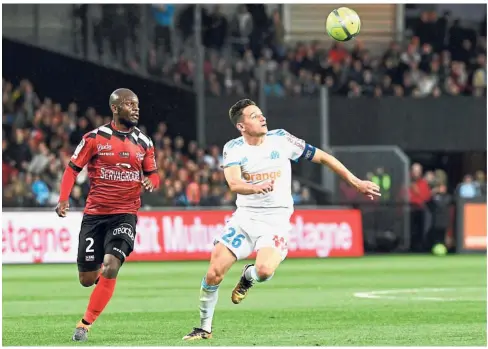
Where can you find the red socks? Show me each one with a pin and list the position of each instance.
(99, 298)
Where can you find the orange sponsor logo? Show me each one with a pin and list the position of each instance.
(261, 176)
(475, 226)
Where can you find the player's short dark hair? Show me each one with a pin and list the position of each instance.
(235, 112)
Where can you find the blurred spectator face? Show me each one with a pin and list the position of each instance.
(98, 121)
(204, 190)
(179, 143)
(192, 147)
(57, 108)
(82, 123)
(43, 149)
(377, 92)
(429, 177)
(239, 66)
(167, 141)
(416, 171)
(200, 154)
(398, 90)
(358, 66)
(436, 92)
(467, 45)
(215, 151)
(170, 193)
(216, 191)
(386, 81)
(19, 136)
(480, 176)
(73, 108)
(183, 175)
(162, 128)
(329, 81)
(305, 194)
(178, 187)
(91, 113)
(426, 49)
(468, 179)
(317, 79)
(368, 77)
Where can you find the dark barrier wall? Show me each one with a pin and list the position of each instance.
(430, 124)
(66, 80)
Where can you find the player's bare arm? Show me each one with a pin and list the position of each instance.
(233, 176)
(367, 188)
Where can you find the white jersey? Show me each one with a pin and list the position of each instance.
(268, 161)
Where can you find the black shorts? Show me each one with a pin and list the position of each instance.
(105, 234)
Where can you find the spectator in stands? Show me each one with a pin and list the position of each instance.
(480, 182)
(216, 33)
(439, 206)
(163, 15)
(241, 29)
(419, 194)
(467, 189)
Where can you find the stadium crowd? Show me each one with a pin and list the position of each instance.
(38, 138)
(440, 59)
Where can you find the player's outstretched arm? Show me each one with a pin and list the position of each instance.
(233, 176)
(368, 188)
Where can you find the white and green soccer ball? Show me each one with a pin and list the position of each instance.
(343, 24)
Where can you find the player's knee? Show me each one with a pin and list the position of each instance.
(264, 271)
(214, 276)
(111, 266)
(87, 281)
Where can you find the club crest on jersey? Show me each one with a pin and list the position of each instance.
(140, 156)
(121, 164)
(274, 155)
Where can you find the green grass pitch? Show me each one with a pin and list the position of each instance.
(410, 301)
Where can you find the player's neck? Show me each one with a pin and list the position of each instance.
(119, 127)
(254, 141)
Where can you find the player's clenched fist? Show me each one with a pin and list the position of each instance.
(62, 208)
(147, 184)
(369, 189)
(264, 188)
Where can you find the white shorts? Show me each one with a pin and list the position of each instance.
(250, 230)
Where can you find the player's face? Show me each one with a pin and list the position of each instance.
(253, 121)
(128, 111)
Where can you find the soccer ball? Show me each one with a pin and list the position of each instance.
(343, 24)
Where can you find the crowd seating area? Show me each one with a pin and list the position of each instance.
(442, 58)
(38, 138)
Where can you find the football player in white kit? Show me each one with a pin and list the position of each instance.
(257, 167)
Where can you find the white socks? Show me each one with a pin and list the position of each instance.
(252, 275)
(209, 295)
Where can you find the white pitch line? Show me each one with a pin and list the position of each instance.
(393, 294)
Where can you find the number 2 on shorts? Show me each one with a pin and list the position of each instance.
(237, 241)
(89, 248)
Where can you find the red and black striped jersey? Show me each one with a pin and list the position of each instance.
(116, 162)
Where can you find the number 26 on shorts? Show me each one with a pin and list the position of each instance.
(234, 241)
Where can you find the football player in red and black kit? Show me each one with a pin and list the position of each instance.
(120, 161)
